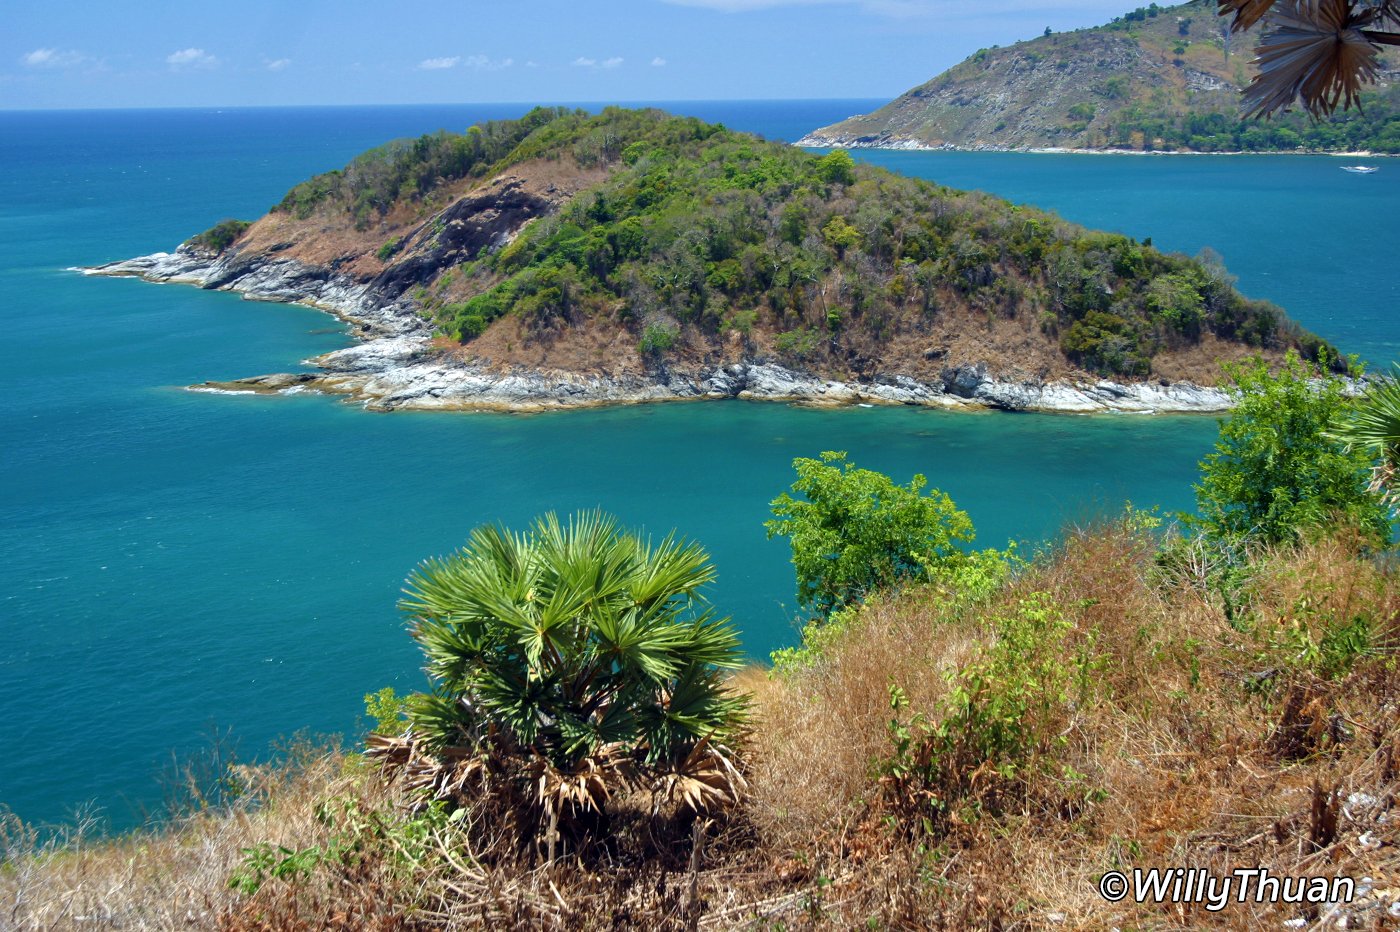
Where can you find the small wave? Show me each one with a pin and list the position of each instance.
(206, 390)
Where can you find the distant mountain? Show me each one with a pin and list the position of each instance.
(1158, 78)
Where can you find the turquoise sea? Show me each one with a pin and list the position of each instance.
(175, 564)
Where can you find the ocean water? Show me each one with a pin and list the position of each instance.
(175, 564)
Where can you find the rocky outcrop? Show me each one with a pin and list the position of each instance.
(395, 366)
(373, 310)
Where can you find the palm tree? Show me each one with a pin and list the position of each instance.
(1315, 52)
(570, 662)
(1373, 424)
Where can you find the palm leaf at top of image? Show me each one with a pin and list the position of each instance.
(1317, 53)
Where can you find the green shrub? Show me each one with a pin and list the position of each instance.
(854, 532)
(221, 235)
(388, 711)
(959, 585)
(799, 344)
(385, 253)
(837, 167)
(658, 339)
(1007, 713)
(1106, 343)
(840, 235)
(1276, 470)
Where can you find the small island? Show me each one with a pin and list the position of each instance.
(567, 259)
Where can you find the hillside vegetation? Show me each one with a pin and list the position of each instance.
(962, 740)
(1157, 78)
(636, 240)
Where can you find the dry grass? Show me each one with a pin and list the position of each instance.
(1266, 742)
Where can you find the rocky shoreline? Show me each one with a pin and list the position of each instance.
(905, 144)
(395, 366)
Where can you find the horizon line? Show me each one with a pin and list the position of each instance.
(474, 103)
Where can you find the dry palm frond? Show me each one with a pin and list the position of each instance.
(706, 780)
(586, 787)
(1315, 53)
(444, 774)
(1246, 12)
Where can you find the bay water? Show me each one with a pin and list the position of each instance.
(175, 565)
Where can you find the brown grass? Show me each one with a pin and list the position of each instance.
(1202, 744)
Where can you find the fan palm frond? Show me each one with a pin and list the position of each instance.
(567, 661)
(704, 780)
(1373, 424)
(1245, 12)
(1315, 53)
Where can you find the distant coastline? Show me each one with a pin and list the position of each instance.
(814, 141)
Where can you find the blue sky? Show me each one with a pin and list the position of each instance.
(116, 53)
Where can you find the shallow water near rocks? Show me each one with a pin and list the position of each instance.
(172, 562)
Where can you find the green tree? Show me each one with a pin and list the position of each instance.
(568, 662)
(837, 167)
(840, 235)
(1176, 300)
(1276, 469)
(854, 531)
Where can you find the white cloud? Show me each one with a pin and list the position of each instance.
(191, 58)
(438, 64)
(53, 58)
(485, 63)
(658, 62)
(582, 62)
(279, 64)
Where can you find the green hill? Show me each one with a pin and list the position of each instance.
(1158, 78)
(634, 241)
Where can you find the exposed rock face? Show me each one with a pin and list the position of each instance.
(466, 229)
(396, 365)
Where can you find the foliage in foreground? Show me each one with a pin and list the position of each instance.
(1278, 469)
(1103, 714)
(1373, 427)
(854, 532)
(939, 759)
(570, 663)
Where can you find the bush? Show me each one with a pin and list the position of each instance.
(221, 235)
(1006, 713)
(658, 339)
(1276, 471)
(855, 532)
(1105, 343)
(799, 344)
(386, 252)
(569, 662)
